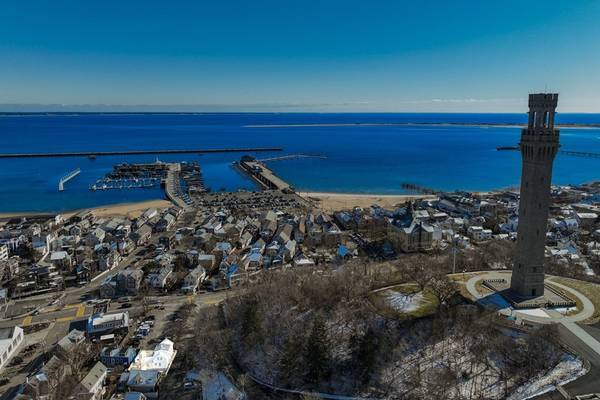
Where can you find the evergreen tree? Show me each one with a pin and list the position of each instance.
(291, 362)
(317, 352)
(251, 323)
(364, 351)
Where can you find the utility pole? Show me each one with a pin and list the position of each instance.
(454, 254)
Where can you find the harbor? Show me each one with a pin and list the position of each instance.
(179, 180)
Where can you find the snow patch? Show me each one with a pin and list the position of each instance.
(567, 370)
(405, 303)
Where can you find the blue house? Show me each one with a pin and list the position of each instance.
(115, 357)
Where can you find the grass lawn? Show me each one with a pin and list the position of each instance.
(589, 290)
(381, 301)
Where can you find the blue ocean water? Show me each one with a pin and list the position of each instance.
(360, 158)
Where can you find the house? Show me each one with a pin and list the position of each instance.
(128, 282)
(193, 280)
(142, 235)
(103, 323)
(478, 234)
(3, 252)
(41, 244)
(149, 214)
(92, 386)
(418, 236)
(161, 279)
(149, 366)
(114, 357)
(287, 252)
(254, 261)
(10, 343)
(108, 258)
(165, 223)
(95, 237)
(207, 261)
(69, 344)
(586, 220)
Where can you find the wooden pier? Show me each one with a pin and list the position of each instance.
(139, 152)
(66, 178)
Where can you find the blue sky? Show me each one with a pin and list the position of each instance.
(285, 55)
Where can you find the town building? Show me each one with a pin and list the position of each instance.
(103, 323)
(10, 343)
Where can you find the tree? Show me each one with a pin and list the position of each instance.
(364, 351)
(317, 351)
(251, 323)
(291, 362)
(442, 287)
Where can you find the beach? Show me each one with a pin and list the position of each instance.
(338, 201)
(131, 210)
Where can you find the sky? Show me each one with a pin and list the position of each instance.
(294, 56)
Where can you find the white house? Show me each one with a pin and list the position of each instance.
(3, 252)
(159, 359)
(10, 342)
(478, 234)
(92, 386)
(106, 322)
(193, 279)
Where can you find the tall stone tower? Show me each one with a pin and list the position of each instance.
(539, 144)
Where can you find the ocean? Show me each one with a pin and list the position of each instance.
(375, 157)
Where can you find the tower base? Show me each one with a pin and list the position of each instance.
(552, 297)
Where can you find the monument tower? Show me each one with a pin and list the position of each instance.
(539, 144)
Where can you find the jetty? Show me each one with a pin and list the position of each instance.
(68, 177)
(93, 154)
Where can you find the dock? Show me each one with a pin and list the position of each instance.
(93, 154)
(66, 178)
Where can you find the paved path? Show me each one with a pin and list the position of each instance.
(553, 316)
(585, 337)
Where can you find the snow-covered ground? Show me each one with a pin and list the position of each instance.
(479, 377)
(406, 303)
(569, 369)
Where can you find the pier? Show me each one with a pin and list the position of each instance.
(562, 152)
(291, 157)
(263, 175)
(68, 177)
(139, 152)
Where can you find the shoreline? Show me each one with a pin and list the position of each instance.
(133, 209)
(331, 201)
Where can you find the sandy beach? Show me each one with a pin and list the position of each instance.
(131, 210)
(338, 201)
